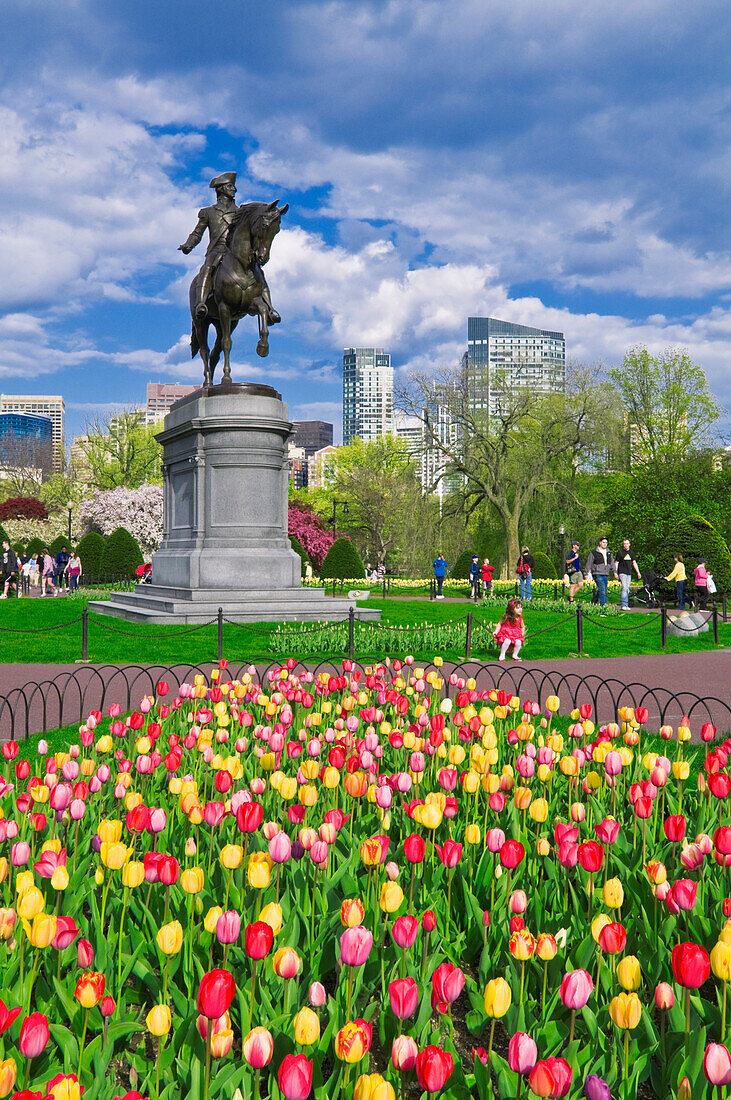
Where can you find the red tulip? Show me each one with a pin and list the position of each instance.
(642, 714)
(428, 921)
(66, 933)
(675, 827)
(607, 830)
(719, 785)
(433, 1068)
(107, 1006)
(258, 940)
(295, 1077)
(591, 856)
(565, 833)
(355, 946)
(414, 848)
(612, 938)
(138, 819)
(447, 983)
(568, 853)
(511, 853)
(450, 853)
(522, 1053)
(684, 893)
(691, 965)
(34, 1035)
(169, 870)
(551, 1077)
(404, 996)
(576, 988)
(84, 954)
(722, 840)
(215, 993)
(249, 816)
(404, 931)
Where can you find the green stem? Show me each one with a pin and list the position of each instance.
(32, 978)
(207, 1075)
(83, 1040)
(119, 946)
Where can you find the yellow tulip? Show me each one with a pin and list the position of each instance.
(538, 810)
(721, 961)
(133, 874)
(629, 974)
(60, 878)
(391, 897)
(681, 769)
(24, 881)
(497, 998)
(626, 1010)
(259, 870)
(472, 834)
(306, 1027)
(271, 914)
(30, 903)
(159, 1020)
(613, 893)
(191, 880)
(231, 856)
(211, 918)
(8, 1076)
(114, 855)
(109, 830)
(42, 931)
(371, 1086)
(170, 938)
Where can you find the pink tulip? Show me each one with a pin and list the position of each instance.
(84, 955)
(20, 853)
(404, 997)
(355, 946)
(522, 1053)
(317, 994)
(34, 1035)
(319, 851)
(664, 996)
(717, 1064)
(576, 988)
(403, 1053)
(447, 984)
(518, 901)
(494, 839)
(280, 848)
(404, 931)
(684, 893)
(228, 927)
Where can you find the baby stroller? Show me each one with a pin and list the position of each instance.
(144, 572)
(647, 595)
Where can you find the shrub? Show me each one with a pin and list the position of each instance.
(299, 549)
(23, 508)
(342, 561)
(19, 548)
(58, 544)
(91, 551)
(460, 571)
(543, 567)
(694, 537)
(121, 554)
(34, 546)
(3, 534)
(310, 531)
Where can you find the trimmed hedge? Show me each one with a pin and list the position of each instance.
(35, 545)
(695, 537)
(299, 549)
(58, 544)
(543, 567)
(121, 554)
(342, 560)
(460, 571)
(91, 551)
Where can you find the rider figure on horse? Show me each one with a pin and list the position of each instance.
(217, 220)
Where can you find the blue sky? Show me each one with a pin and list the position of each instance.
(558, 164)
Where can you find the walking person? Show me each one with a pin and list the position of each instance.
(74, 571)
(678, 575)
(62, 561)
(511, 630)
(700, 576)
(47, 571)
(626, 562)
(599, 565)
(26, 570)
(475, 577)
(440, 568)
(34, 573)
(10, 570)
(487, 572)
(524, 569)
(573, 571)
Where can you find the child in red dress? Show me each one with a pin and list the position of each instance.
(511, 631)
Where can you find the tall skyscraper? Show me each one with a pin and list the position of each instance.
(39, 405)
(312, 435)
(367, 394)
(161, 395)
(521, 356)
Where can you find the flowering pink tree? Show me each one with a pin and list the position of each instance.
(311, 531)
(139, 510)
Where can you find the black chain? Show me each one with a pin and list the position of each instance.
(621, 629)
(153, 637)
(43, 629)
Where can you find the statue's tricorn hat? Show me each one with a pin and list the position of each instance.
(223, 179)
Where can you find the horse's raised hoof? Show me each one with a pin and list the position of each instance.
(200, 312)
(262, 348)
(274, 317)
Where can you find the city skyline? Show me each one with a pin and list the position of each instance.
(438, 163)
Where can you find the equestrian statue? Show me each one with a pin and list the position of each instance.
(231, 284)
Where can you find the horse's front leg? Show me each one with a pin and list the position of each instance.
(201, 328)
(262, 312)
(224, 316)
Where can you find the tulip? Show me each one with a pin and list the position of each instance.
(170, 938)
(404, 997)
(7, 1016)
(353, 1041)
(691, 965)
(613, 893)
(684, 893)
(511, 853)
(89, 989)
(84, 954)
(306, 1027)
(551, 1077)
(576, 988)
(258, 940)
(295, 1077)
(371, 1086)
(596, 1088)
(391, 897)
(629, 974)
(159, 1020)
(522, 1053)
(433, 1068)
(355, 946)
(228, 927)
(497, 998)
(258, 1048)
(271, 914)
(612, 938)
(675, 827)
(215, 993)
(403, 1053)
(717, 1065)
(317, 995)
(625, 1010)
(34, 1035)
(546, 946)
(9, 1075)
(286, 963)
(404, 931)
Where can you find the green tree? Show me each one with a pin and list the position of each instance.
(694, 537)
(342, 562)
(91, 552)
(120, 452)
(299, 549)
(121, 554)
(670, 407)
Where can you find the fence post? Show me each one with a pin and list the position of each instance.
(663, 627)
(715, 623)
(723, 600)
(431, 590)
(220, 633)
(384, 586)
(85, 634)
(516, 590)
(351, 633)
(555, 592)
(563, 591)
(468, 637)
(579, 630)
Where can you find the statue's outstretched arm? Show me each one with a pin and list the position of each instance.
(196, 235)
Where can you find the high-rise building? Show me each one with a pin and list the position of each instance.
(161, 395)
(54, 408)
(312, 435)
(297, 466)
(500, 353)
(26, 440)
(367, 394)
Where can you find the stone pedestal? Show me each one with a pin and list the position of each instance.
(225, 544)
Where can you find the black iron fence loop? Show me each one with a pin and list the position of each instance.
(621, 629)
(42, 629)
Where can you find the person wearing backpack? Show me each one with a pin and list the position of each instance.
(524, 569)
(10, 569)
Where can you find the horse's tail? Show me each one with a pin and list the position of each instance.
(194, 345)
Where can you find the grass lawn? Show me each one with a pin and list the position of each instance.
(438, 628)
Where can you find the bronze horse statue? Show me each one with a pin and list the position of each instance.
(239, 287)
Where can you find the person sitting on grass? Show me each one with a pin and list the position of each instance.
(511, 631)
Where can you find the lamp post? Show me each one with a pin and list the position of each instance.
(69, 524)
(562, 533)
(338, 503)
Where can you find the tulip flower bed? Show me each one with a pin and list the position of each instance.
(364, 886)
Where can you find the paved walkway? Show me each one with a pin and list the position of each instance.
(669, 685)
